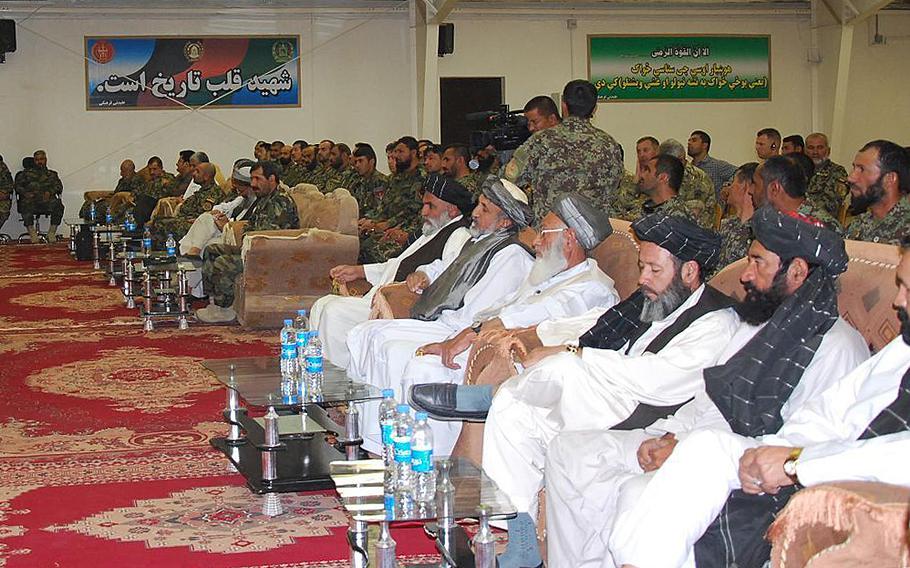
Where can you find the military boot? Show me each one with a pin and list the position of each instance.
(52, 234)
(33, 234)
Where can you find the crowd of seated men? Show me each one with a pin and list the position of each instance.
(678, 414)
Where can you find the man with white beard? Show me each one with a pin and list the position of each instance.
(490, 266)
(563, 282)
(601, 485)
(446, 214)
(647, 350)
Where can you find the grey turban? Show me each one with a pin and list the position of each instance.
(682, 238)
(591, 225)
(510, 198)
(242, 170)
(791, 235)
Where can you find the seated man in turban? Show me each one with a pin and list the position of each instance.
(208, 227)
(647, 349)
(490, 266)
(446, 215)
(564, 282)
(791, 346)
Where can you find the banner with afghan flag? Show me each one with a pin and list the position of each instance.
(130, 72)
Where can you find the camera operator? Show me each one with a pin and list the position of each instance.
(541, 113)
(570, 157)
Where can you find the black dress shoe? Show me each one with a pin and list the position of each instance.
(438, 401)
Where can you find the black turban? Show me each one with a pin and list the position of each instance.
(792, 235)
(682, 238)
(450, 191)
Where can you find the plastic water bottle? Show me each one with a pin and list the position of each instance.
(401, 441)
(314, 365)
(130, 222)
(92, 212)
(147, 241)
(387, 410)
(422, 459)
(109, 219)
(484, 541)
(302, 325)
(288, 349)
(171, 245)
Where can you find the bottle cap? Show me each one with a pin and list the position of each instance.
(388, 393)
(421, 416)
(288, 322)
(314, 333)
(404, 409)
(301, 312)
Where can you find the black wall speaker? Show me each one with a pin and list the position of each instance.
(7, 36)
(446, 39)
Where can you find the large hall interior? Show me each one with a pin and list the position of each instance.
(451, 283)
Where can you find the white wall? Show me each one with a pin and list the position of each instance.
(356, 87)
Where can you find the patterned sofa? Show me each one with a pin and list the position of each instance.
(288, 270)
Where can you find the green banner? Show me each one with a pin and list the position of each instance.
(680, 68)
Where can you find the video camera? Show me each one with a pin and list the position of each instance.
(506, 130)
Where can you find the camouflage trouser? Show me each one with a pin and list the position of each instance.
(374, 249)
(5, 206)
(163, 226)
(29, 208)
(221, 265)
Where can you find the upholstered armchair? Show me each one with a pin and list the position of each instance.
(288, 270)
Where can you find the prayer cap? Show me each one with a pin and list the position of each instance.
(591, 225)
(450, 191)
(242, 170)
(791, 235)
(510, 198)
(681, 237)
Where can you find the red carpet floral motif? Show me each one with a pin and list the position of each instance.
(214, 519)
(135, 379)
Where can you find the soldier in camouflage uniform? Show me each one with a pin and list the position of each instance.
(38, 190)
(369, 185)
(828, 187)
(697, 189)
(343, 175)
(879, 184)
(127, 185)
(274, 209)
(6, 192)
(735, 233)
(659, 179)
(455, 159)
(781, 182)
(626, 203)
(202, 200)
(572, 157)
(398, 209)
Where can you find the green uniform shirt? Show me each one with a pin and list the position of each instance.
(6, 183)
(736, 237)
(828, 187)
(697, 190)
(401, 203)
(274, 211)
(37, 186)
(158, 188)
(888, 230)
(201, 201)
(571, 157)
(369, 192)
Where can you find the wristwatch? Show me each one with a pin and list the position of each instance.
(790, 464)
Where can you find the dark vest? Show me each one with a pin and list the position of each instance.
(430, 251)
(711, 300)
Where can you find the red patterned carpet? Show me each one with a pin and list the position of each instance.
(104, 454)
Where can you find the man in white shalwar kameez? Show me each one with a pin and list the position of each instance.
(595, 477)
(855, 429)
(445, 204)
(208, 228)
(492, 265)
(564, 282)
(647, 349)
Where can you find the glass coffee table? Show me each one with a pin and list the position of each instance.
(165, 290)
(461, 488)
(291, 443)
